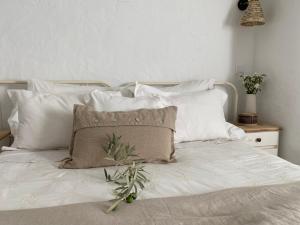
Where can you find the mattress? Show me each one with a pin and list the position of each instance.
(31, 179)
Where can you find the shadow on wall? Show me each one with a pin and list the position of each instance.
(242, 44)
(277, 54)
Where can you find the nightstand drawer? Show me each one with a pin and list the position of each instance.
(273, 150)
(260, 139)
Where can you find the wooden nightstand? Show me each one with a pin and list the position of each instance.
(263, 137)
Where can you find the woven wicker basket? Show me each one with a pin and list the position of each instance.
(254, 14)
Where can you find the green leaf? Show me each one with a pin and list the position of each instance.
(105, 173)
(142, 176)
(140, 184)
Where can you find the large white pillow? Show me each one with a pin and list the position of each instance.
(101, 101)
(44, 119)
(15, 97)
(200, 114)
(42, 86)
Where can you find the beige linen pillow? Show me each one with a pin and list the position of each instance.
(151, 131)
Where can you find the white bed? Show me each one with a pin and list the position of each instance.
(31, 179)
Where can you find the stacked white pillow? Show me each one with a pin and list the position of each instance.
(42, 117)
(200, 114)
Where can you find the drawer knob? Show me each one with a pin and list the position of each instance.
(258, 139)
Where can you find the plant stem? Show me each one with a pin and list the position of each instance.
(115, 205)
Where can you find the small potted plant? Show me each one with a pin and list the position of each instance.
(253, 84)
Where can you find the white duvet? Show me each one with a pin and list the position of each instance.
(31, 179)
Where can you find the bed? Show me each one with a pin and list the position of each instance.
(33, 189)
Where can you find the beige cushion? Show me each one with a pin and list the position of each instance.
(151, 131)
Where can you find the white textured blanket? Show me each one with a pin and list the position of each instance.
(32, 180)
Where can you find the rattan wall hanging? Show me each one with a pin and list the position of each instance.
(254, 14)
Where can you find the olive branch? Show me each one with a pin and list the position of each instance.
(130, 180)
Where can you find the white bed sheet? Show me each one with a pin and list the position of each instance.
(31, 179)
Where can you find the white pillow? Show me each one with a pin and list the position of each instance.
(101, 101)
(183, 87)
(200, 114)
(15, 97)
(45, 119)
(37, 85)
(42, 86)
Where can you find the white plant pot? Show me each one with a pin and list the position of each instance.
(250, 104)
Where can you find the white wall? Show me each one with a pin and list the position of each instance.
(119, 41)
(277, 53)
(122, 40)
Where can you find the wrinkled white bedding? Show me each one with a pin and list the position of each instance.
(31, 179)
